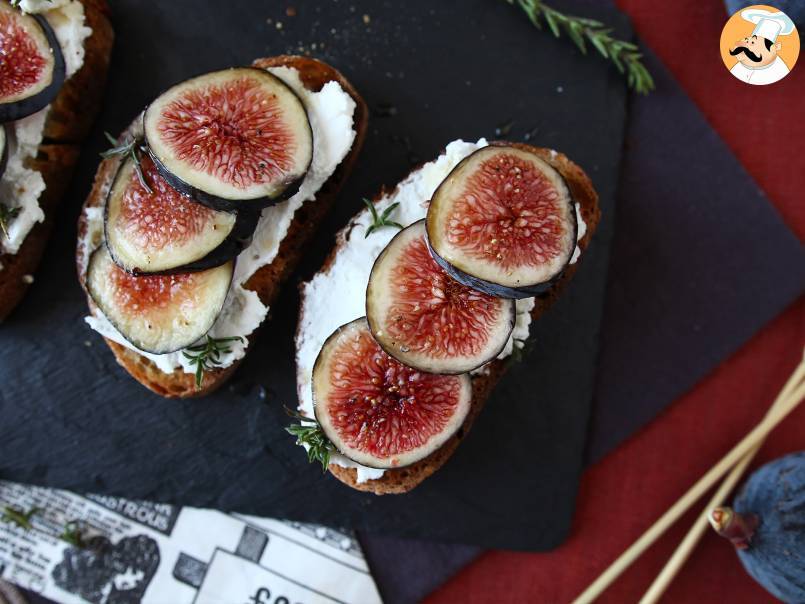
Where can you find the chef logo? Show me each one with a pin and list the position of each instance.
(759, 45)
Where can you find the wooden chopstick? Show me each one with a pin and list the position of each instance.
(687, 545)
(750, 441)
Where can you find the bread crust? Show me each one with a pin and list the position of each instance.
(68, 122)
(267, 280)
(402, 480)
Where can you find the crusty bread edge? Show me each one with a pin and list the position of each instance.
(268, 280)
(403, 480)
(67, 125)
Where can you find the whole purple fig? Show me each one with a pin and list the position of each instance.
(767, 526)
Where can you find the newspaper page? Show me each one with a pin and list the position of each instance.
(134, 551)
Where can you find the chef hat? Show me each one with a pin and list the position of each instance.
(768, 25)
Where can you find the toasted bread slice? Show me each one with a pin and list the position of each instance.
(68, 122)
(404, 479)
(268, 280)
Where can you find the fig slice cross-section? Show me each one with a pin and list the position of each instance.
(162, 231)
(158, 313)
(31, 64)
(232, 139)
(377, 411)
(426, 319)
(503, 222)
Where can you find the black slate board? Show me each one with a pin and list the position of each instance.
(74, 420)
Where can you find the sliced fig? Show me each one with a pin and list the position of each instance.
(503, 222)
(377, 411)
(426, 319)
(162, 231)
(158, 314)
(4, 137)
(32, 67)
(232, 139)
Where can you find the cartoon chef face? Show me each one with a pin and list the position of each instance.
(755, 51)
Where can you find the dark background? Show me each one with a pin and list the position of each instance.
(75, 420)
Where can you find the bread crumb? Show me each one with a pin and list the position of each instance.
(366, 19)
(27, 279)
(290, 11)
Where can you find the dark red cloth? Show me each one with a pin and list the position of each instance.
(625, 493)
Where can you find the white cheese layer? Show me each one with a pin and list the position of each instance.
(20, 186)
(331, 112)
(337, 296)
(66, 17)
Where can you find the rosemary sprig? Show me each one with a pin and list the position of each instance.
(382, 220)
(308, 432)
(18, 517)
(207, 356)
(625, 55)
(7, 214)
(133, 148)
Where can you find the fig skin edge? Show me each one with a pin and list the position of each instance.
(10, 112)
(487, 286)
(220, 203)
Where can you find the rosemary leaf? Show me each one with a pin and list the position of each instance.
(575, 31)
(580, 30)
(112, 140)
(372, 209)
(389, 210)
(617, 61)
(380, 221)
(133, 148)
(308, 433)
(116, 149)
(207, 356)
(599, 46)
(551, 21)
